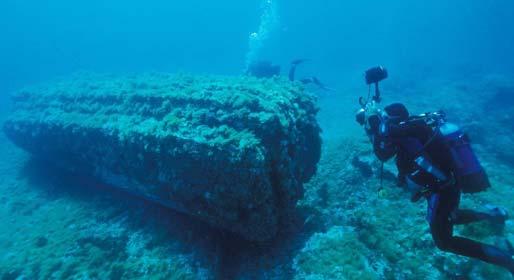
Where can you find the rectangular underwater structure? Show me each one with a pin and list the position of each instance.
(232, 151)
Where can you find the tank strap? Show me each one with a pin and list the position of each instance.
(425, 146)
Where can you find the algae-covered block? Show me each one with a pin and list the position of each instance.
(232, 151)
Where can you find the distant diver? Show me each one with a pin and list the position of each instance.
(309, 80)
(266, 69)
(435, 161)
(263, 69)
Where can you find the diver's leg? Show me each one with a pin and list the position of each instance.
(465, 216)
(473, 249)
(441, 227)
(292, 72)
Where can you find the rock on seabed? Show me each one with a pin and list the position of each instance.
(232, 151)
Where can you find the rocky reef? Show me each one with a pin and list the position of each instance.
(233, 152)
(60, 227)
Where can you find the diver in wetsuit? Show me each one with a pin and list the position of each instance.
(265, 69)
(435, 160)
(425, 148)
(309, 80)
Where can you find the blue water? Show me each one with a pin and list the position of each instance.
(40, 40)
(428, 46)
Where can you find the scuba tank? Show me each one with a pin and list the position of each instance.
(466, 170)
(469, 173)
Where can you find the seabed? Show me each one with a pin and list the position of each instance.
(57, 226)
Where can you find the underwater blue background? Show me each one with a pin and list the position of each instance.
(40, 40)
(456, 55)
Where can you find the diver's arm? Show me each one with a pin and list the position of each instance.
(411, 128)
(383, 147)
(388, 132)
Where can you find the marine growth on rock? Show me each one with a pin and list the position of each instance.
(232, 151)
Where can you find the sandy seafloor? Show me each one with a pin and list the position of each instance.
(55, 226)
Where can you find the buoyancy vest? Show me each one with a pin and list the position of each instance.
(446, 155)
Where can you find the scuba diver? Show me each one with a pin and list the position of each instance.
(263, 69)
(266, 69)
(435, 160)
(309, 80)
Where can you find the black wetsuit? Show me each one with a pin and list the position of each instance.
(443, 197)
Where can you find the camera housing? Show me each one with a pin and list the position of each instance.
(375, 75)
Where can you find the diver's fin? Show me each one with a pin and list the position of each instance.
(299, 61)
(294, 64)
(505, 244)
(497, 214)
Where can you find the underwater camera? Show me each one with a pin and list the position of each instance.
(375, 75)
(368, 105)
